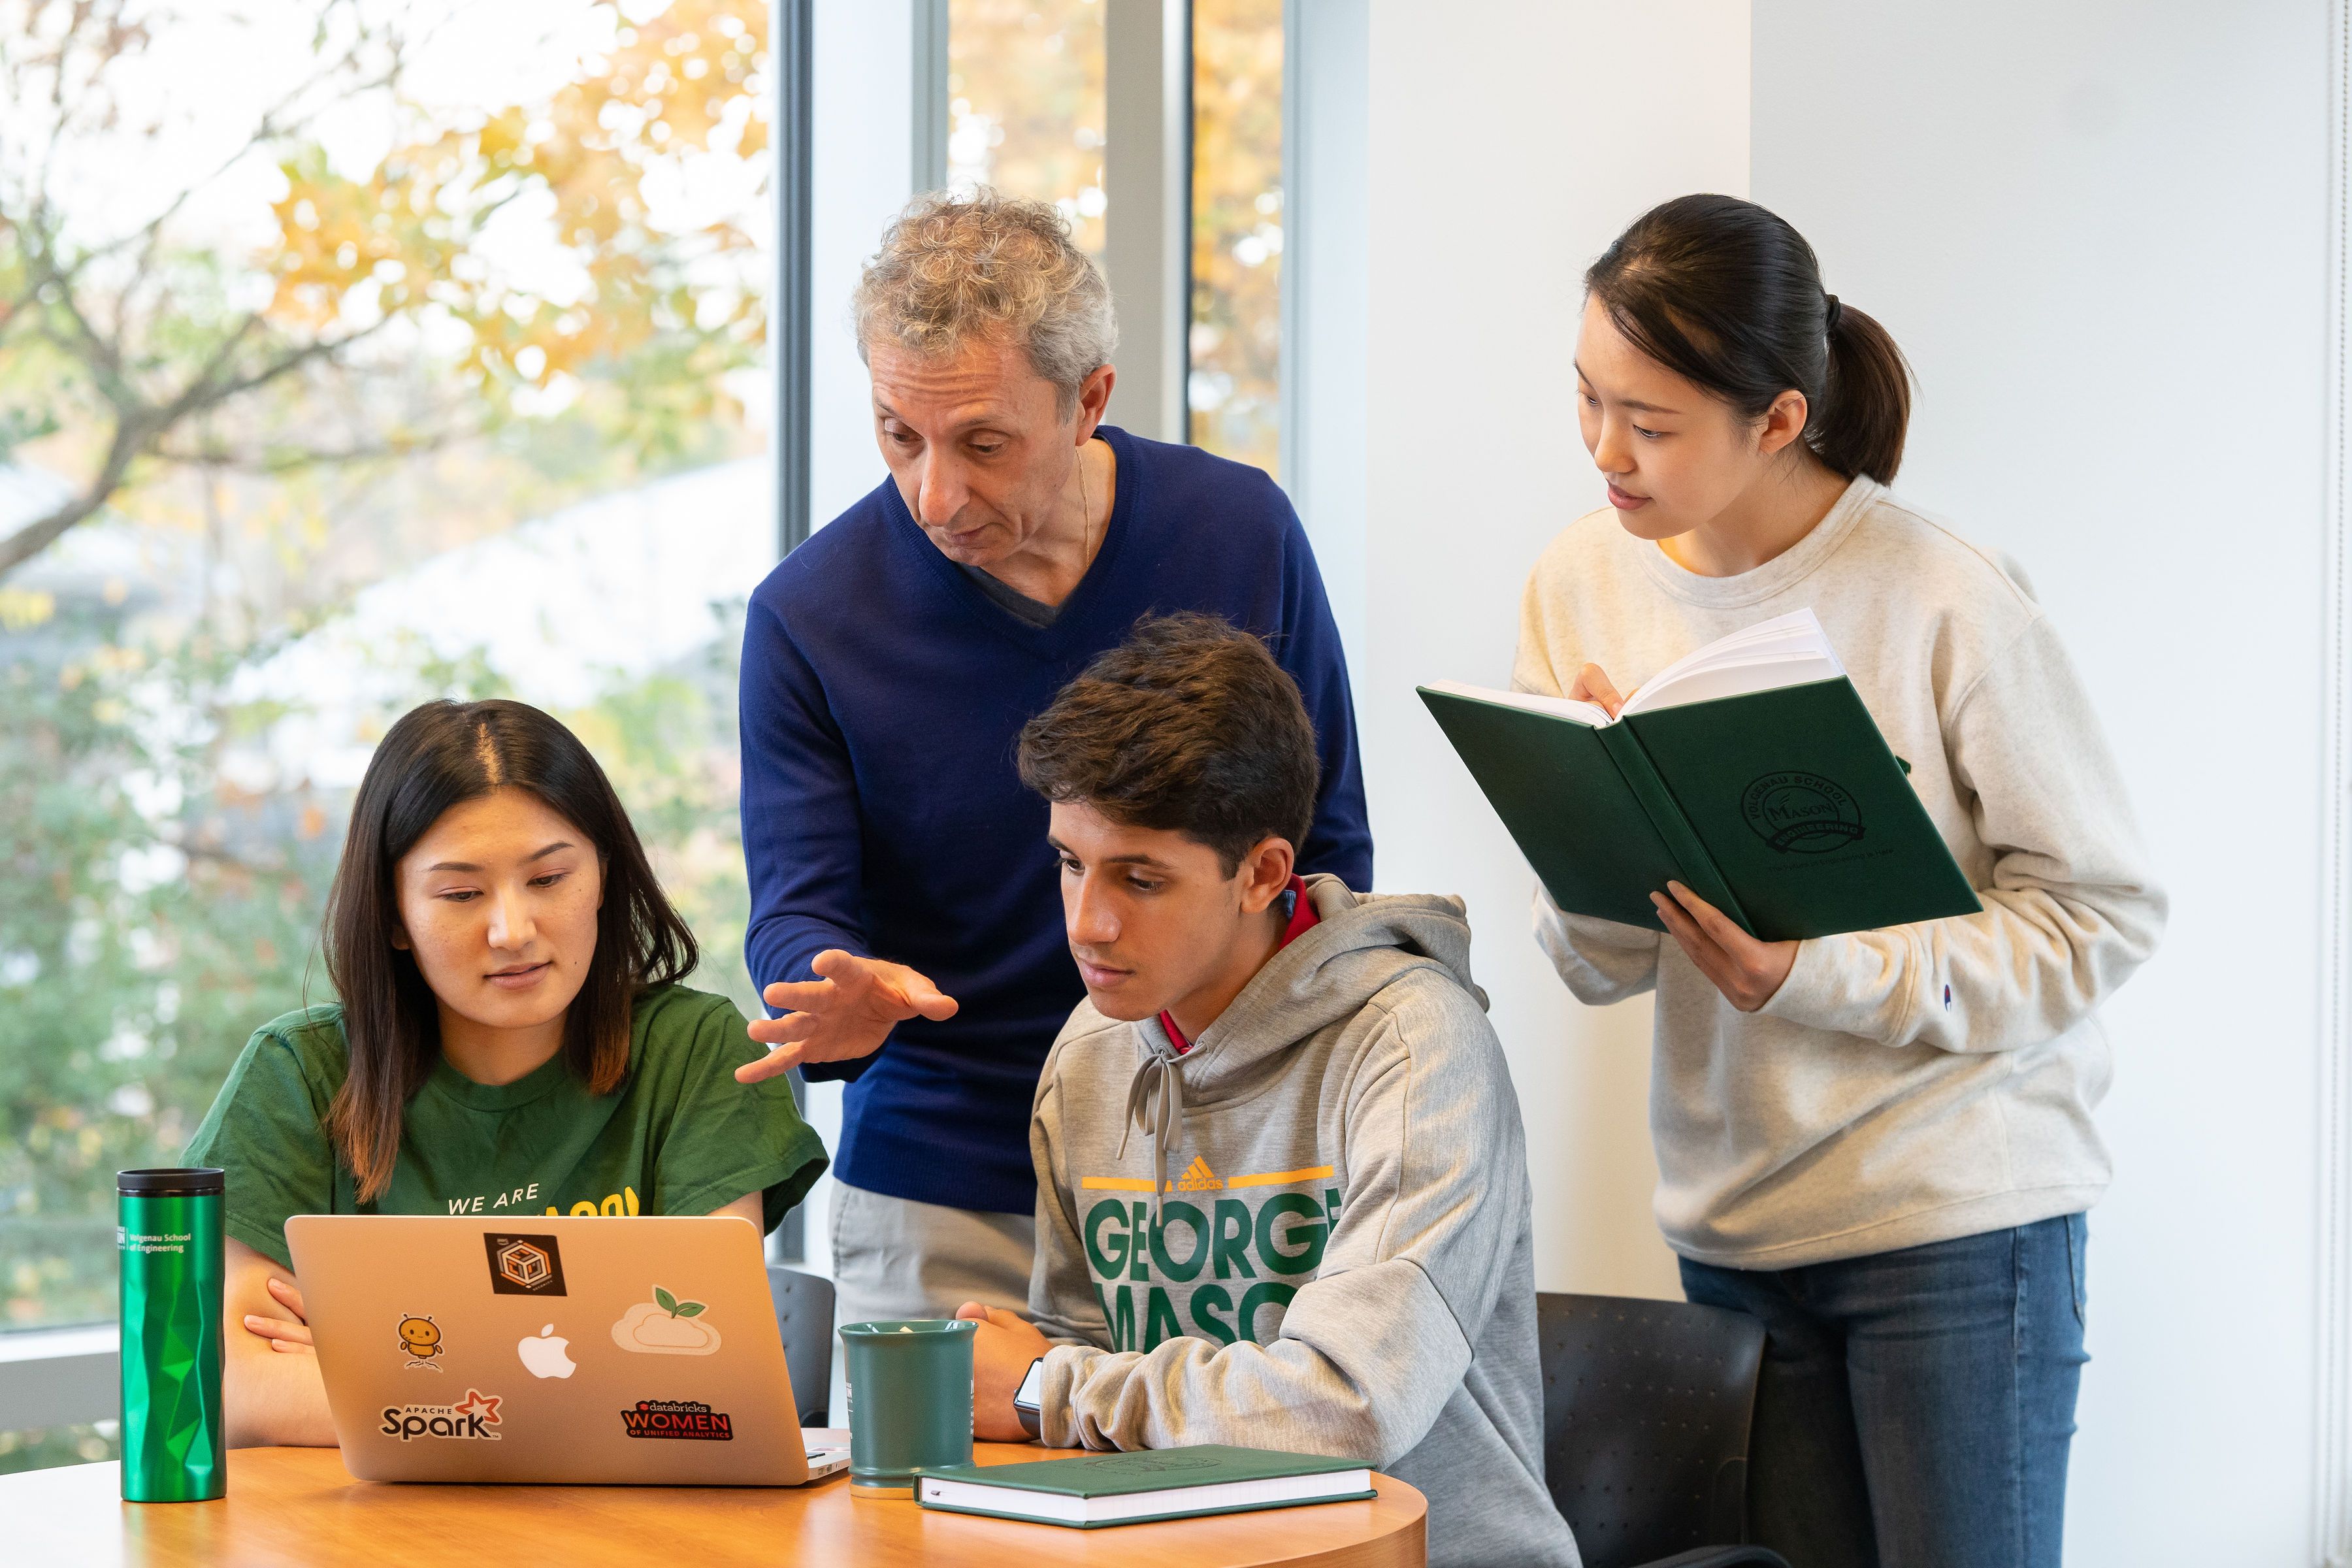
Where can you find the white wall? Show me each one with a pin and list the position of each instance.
(1326, 282)
(1507, 147)
(2099, 231)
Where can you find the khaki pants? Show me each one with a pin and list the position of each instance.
(896, 1258)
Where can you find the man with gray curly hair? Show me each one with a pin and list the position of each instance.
(952, 270)
(906, 922)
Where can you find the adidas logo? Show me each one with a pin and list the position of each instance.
(1199, 1178)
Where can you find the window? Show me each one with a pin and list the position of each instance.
(350, 355)
(447, 374)
(1234, 393)
(1028, 112)
(1025, 104)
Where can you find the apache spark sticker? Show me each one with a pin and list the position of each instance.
(470, 1418)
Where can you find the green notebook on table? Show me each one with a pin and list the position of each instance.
(1096, 1489)
(1750, 771)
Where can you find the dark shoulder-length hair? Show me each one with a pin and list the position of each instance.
(437, 756)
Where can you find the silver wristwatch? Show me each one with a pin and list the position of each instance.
(1029, 1398)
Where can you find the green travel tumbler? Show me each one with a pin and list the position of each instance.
(168, 1236)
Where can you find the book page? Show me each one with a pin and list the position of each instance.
(1788, 650)
(1591, 713)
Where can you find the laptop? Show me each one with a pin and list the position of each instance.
(638, 1352)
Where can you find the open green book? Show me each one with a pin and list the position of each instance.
(1750, 771)
(1096, 1489)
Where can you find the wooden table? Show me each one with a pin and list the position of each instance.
(299, 1508)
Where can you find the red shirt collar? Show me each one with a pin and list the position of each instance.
(1303, 920)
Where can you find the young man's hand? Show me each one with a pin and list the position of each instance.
(1001, 1354)
(1748, 971)
(847, 1011)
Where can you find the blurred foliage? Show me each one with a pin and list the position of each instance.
(1025, 104)
(165, 851)
(1235, 387)
(128, 350)
(153, 914)
(407, 236)
(38, 1450)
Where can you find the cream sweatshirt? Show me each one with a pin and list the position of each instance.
(1913, 1084)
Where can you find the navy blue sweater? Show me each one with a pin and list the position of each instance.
(883, 694)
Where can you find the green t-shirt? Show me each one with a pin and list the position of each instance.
(679, 1136)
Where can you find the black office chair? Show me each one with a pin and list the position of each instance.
(804, 1317)
(1646, 1407)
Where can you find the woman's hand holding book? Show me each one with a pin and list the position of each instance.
(1748, 971)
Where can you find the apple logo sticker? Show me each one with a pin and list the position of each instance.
(544, 1353)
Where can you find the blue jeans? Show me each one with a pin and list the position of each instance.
(1916, 1406)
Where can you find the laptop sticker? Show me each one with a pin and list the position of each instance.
(545, 1353)
(524, 1265)
(420, 1336)
(470, 1418)
(666, 1326)
(677, 1418)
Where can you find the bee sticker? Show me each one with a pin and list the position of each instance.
(420, 1337)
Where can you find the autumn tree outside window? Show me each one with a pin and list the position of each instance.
(341, 343)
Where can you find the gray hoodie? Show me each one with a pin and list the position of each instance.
(1343, 1262)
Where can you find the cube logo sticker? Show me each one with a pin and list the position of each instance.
(524, 1265)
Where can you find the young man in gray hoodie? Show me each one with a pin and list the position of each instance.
(1282, 1189)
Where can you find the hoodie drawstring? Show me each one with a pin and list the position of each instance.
(1155, 1102)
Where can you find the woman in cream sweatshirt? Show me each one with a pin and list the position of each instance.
(1881, 1145)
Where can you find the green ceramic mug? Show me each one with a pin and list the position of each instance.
(909, 1401)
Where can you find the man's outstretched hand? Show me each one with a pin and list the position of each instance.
(848, 1011)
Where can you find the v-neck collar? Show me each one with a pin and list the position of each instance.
(1047, 641)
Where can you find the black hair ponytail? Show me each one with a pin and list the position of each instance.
(1726, 295)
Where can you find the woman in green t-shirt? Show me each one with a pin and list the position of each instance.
(512, 1038)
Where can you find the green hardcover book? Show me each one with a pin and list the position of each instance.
(1098, 1489)
(1750, 771)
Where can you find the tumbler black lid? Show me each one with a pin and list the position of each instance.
(194, 1180)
